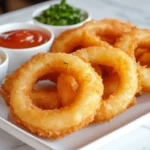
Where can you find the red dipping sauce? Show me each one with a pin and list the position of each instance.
(19, 39)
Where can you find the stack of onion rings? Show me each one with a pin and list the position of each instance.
(103, 32)
(117, 103)
(78, 97)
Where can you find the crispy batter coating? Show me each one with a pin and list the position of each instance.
(80, 98)
(104, 32)
(129, 43)
(68, 41)
(127, 71)
(92, 33)
(43, 98)
(58, 122)
(67, 89)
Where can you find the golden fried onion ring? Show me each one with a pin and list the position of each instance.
(129, 43)
(59, 122)
(104, 32)
(68, 41)
(91, 33)
(67, 88)
(127, 71)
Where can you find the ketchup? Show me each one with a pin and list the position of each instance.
(19, 39)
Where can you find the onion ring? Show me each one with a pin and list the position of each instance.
(127, 71)
(109, 29)
(128, 43)
(70, 39)
(104, 32)
(59, 122)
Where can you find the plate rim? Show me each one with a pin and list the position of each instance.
(29, 139)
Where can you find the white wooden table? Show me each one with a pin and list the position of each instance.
(138, 12)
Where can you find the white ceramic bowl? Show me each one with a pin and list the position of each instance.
(57, 29)
(4, 65)
(17, 56)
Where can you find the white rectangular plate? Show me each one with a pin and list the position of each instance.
(91, 137)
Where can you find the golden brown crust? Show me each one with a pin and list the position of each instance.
(68, 41)
(58, 122)
(7, 86)
(17, 90)
(129, 43)
(41, 98)
(127, 70)
(51, 133)
(104, 32)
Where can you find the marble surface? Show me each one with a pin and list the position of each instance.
(138, 12)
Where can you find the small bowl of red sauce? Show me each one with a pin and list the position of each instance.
(21, 41)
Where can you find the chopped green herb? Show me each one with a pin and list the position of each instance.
(61, 14)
